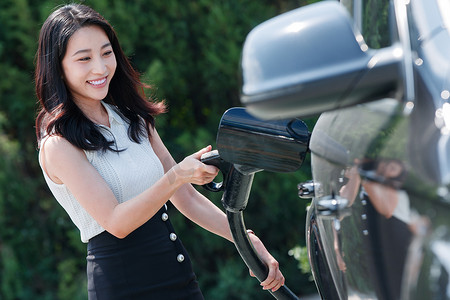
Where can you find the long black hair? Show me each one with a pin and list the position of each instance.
(59, 114)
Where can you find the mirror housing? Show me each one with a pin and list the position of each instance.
(252, 144)
(311, 60)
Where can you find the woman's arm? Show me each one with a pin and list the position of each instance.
(188, 200)
(206, 214)
(67, 164)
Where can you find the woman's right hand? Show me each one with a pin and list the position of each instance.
(192, 170)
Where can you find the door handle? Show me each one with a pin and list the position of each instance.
(331, 205)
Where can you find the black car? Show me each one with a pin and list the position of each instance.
(378, 73)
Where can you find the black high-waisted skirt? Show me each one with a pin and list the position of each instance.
(150, 263)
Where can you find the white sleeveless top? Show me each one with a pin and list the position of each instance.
(127, 173)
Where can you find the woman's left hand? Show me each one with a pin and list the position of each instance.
(275, 278)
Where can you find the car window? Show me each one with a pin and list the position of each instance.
(371, 17)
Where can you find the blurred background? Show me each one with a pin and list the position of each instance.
(189, 52)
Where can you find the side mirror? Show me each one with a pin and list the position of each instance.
(311, 60)
(252, 144)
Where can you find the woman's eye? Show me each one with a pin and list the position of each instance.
(107, 53)
(84, 59)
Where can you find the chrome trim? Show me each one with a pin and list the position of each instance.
(403, 31)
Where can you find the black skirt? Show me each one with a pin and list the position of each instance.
(150, 263)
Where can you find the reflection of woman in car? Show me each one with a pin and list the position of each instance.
(382, 185)
(390, 172)
(381, 180)
(387, 219)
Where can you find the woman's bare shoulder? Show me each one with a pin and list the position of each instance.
(57, 155)
(58, 145)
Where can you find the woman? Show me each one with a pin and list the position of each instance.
(105, 163)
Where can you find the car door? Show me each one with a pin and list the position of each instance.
(380, 170)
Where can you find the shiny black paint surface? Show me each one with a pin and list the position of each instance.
(391, 160)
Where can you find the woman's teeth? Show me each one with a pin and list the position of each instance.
(97, 82)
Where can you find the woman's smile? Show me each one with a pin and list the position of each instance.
(98, 82)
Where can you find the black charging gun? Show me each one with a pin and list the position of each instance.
(245, 146)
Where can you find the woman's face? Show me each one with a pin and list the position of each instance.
(89, 64)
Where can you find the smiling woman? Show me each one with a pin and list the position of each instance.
(104, 162)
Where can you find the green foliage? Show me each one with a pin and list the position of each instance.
(232, 284)
(300, 254)
(189, 52)
(376, 23)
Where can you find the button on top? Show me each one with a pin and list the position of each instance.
(164, 217)
(173, 237)
(180, 257)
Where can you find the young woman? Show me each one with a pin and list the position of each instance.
(105, 163)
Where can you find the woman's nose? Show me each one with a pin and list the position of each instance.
(99, 66)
